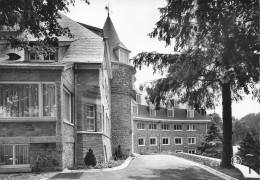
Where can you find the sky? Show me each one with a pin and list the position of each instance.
(133, 20)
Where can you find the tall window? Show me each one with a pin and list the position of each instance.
(177, 127)
(138, 98)
(49, 106)
(170, 113)
(23, 100)
(14, 154)
(67, 106)
(135, 108)
(190, 113)
(165, 127)
(152, 112)
(90, 119)
(140, 126)
(153, 126)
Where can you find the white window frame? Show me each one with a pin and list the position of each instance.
(168, 140)
(41, 57)
(134, 105)
(155, 141)
(143, 141)
(191, 140)
(152, 125)
(142, 124)
(40, 100)
(94, 118)
(190, 115)
(138, 98)
(168, 112)
(189, 127)
(177, 151)
(151, 110)
(189, 150)
(13, 155)
(178, 138)
(165, 125)
(177, 129)
(70, 114)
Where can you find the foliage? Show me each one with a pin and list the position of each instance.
(90, 159)
(250, 145)
(38, 18)
(212, 144)
(216, 45)
(118, 154)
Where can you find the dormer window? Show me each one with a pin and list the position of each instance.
(138, 98)
(190, 113)
(170, 112)
(48, 57)
(152, 112)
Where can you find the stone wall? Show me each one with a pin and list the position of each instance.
(49, 156)
(121, 95)
(171, 134)
(67, 155)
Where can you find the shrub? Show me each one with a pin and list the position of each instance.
(90, 159)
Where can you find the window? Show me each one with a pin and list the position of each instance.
(190, 127)
(170, 112)
(152, 112)
(153, 141)
(191, 140)
(67, 106)
(178, 151)
(190, 113)
(14, 154)
(140, 126)
(138, 98)
(165, 127)
(177, 127)
(178, 141)
(135, 109)
(153, 126)
(165, 141)
(48, 57)
(192, 151)
(49, 106)
(141, 142)
(90, 118)
(27, 100)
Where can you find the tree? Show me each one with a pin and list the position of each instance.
(212, 144)
(216, 45)
(250, 145)
(38, 18)
(90, 159)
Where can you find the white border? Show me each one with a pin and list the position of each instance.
(138, 141)
(194, 140)
(178, 138)
(168, 141)
(155, 141)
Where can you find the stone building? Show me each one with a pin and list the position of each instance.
(171, 128)
(55, 107)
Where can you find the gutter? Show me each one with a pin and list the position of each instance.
(169, 120)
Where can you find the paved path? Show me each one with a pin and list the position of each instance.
(154, 167)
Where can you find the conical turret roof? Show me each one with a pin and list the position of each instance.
(109, 32)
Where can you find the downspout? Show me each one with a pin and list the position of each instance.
(160, 148)
(75, 113)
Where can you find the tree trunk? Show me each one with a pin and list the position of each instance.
(227, 151)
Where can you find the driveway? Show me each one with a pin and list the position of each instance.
(153, 167)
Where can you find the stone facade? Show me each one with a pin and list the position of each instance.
(122, 93)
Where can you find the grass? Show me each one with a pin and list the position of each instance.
(233, 172)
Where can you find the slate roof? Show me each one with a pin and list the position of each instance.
(85, 46)
(179, 114)
(109, 31)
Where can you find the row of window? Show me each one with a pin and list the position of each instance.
(166, 127)
(170, 112)
(165, 141)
